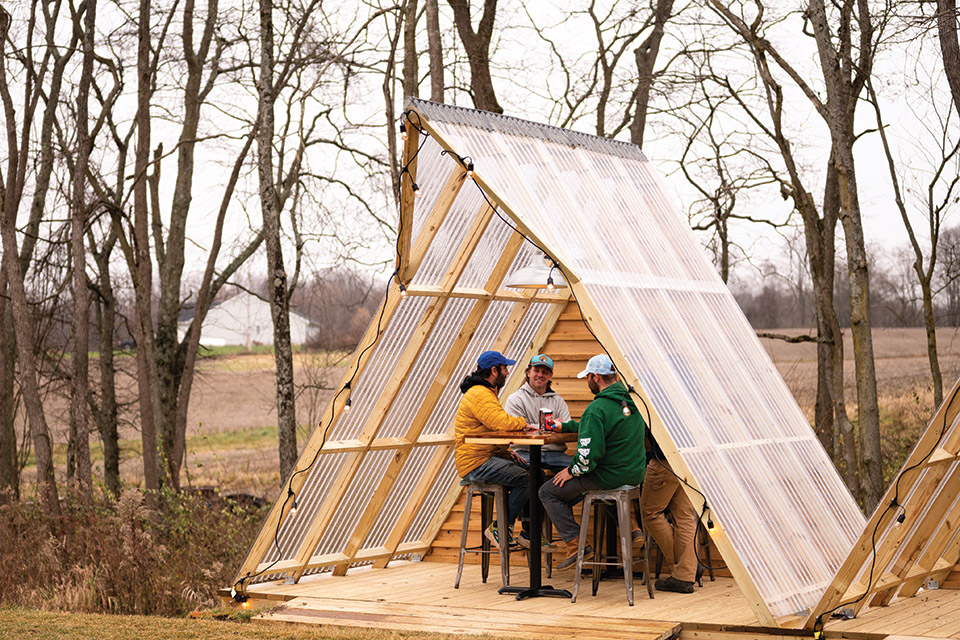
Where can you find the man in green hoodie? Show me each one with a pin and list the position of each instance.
(610, 452)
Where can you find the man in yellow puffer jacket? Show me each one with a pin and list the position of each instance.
(480, 412)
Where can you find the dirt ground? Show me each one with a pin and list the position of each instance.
(236, 394)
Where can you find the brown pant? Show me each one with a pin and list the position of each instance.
(662, 491)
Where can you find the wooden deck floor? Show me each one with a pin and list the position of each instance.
(420, 596)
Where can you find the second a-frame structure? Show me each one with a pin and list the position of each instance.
(484, 195)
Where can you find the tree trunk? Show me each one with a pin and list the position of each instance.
(646, 59)
(410, 69)
(79, 429)
(931, 329)
(9, 471)
(149, 393)
(106, 414)
(476, 44)
(279, 301)
(949, 47)
(435, 49)
(29, 384)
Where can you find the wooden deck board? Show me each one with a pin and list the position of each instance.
(420, 596)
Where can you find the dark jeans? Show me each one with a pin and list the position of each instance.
(552, 460)
(514, 479)
(558, 503)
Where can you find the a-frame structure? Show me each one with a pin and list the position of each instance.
(912, 536)
(377, 482)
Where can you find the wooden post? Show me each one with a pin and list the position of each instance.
(407, 196)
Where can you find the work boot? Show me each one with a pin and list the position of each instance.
(637, 538)
(672, 584)
(570, 561)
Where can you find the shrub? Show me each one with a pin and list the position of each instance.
(122, 557)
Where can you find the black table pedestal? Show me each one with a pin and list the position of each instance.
(536, 521)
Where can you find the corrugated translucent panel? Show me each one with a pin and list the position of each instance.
(408, 401)
(400, 494)
(445, 479)
(447, 243)
(433, 171)
(315, 488)
(369, 384)
(441, 418)
(598, 207)
(354, 501)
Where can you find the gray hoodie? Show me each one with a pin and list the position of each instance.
(526, 403)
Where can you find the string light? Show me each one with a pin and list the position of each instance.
(293, 507)
(626, 407)
(470, 169)
(550, 286)
(403, 130)
(403, 291)
(416, 190)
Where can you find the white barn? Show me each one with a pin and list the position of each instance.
(243, 319)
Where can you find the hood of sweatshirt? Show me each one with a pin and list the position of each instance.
(472, 381)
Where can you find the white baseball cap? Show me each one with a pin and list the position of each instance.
(599, 364)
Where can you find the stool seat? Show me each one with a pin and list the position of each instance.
(620, 497)
(488, 493)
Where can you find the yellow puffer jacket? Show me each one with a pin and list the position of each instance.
(480, 412)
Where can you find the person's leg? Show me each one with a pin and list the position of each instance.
(659, 486)
(558, 503)
(512, 476)
(555, 460)
(685, 530)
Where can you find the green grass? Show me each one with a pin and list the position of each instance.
(44, 625)
(255, 438)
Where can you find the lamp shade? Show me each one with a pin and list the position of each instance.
(535, 276)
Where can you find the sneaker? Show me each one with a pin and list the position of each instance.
(545, 545)
(672, 584)
(492, 534)
(571, 560)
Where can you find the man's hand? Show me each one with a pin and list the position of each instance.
(516, 457)
(532, 427)
(562, 476)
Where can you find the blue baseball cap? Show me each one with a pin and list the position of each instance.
(490, 359)
(599, 364)
(542, 360)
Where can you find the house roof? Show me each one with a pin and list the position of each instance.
(716, 404)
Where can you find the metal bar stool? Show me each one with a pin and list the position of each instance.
(621, 497)
(488, 493)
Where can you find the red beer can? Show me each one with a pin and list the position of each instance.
(546, 419)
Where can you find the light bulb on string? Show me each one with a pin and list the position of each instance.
(416, 190)
(626, 407)
(293, 508)
(403, 291)
(346, 405)
(710, 525)
(403, 130)
(470, 169)
(550, 286)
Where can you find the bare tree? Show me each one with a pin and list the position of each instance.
(846, 43)
(949, 46)
(435, 50)
(476, 44)
(939, 196)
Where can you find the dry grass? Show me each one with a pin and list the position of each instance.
(42, 625)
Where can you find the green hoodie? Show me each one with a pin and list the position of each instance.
(610, 446)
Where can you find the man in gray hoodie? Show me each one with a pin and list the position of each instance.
(526, 403)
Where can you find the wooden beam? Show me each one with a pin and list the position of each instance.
(407, 196)
(938, 547)
(907, 549)
(506, 295)
(882, 516)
